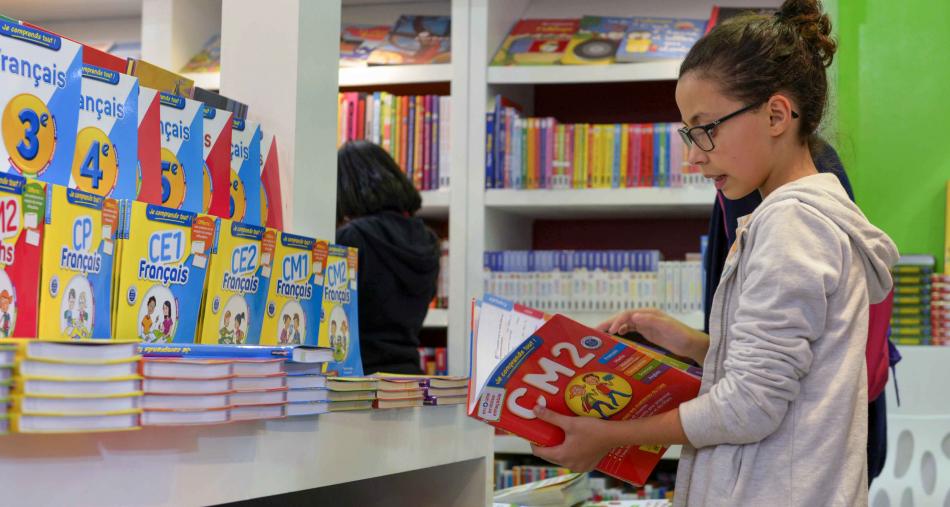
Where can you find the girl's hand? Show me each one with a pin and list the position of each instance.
(586, 440)
(661, 329)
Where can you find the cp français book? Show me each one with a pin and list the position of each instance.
(523, 358)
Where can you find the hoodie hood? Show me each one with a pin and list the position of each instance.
(404, 245)
(825, 193)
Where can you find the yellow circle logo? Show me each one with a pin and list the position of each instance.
(238, 199)
(263, 207)
(95, 165)
(29, 134)
(173, 180)
(597, 394)
(208, 190)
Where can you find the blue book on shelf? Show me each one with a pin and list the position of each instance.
(490, 149)
(298, 353)
(659, 38)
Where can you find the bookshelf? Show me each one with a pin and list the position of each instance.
(510, 444)
(435, 204)
(395, 74)
(602, 203)
(437, 318)
(647, 71)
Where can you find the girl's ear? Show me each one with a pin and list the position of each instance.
(780, 114)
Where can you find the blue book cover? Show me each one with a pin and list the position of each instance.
(490, 149)
(615, 173)
(659, 38)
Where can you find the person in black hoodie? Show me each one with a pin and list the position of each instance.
(398, 255)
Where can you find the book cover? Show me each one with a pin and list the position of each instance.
(22, 212)
(339, 324)
(105, 162)
(39, 93)
(536, 42)
(182, 125)
(149, 170)
(218, 101)
(153, 76)
(238, 281)
(596, 41)
(216, 190)
(246, 172)
(164, 261)
(295, 296)
(77, 276)
(577, 371)
(358, 40)
(272, 201)
(208, 59)
(415, 40)
(659, 38)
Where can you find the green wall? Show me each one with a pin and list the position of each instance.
(893, 114)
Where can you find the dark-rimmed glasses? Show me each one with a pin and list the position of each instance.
(701, 135)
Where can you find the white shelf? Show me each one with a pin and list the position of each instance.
(603, 203)
(435, 204)
(210, 465)
(553, 74)
(510, 444)
(395, 74)
(207, 80)
(436, 318)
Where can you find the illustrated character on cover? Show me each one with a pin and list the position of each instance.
(296, 339)
(335, 342)
(5, 319)
(238, 333)
(344, 336)
(590, 402)
(68, 314)
(224, 334)
(286, 334)
(167, 321)
(605, 387)
(81, 330)
(147, 319)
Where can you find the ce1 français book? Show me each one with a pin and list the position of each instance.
(573, 370)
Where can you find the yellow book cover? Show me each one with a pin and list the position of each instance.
(624, 153)
(162, 273)
(598, 155)
(78, 253)
(160, 79)
(339, 323)
(596, 42)
(580, 156)
(295, 296)
(608, 169)
(238, 281)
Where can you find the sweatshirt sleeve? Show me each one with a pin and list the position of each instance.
(795, 263)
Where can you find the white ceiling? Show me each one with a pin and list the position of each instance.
(63, 10)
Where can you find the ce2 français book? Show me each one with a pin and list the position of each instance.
(573, 370)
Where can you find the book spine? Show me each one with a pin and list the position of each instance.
(490, 150)
(188, 350)
(426, 142)
(418, 149)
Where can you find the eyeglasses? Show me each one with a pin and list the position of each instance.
(701, 135)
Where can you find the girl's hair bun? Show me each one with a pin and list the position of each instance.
(812, 25)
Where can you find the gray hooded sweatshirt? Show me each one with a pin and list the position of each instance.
(781, 418)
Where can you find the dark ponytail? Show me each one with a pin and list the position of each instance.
(755, 56)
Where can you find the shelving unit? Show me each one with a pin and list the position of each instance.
(603, 203)
(647, 71)
(395, 74)
(510, 444)
(435, 204)
(437, 318)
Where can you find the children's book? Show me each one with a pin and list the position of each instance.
(295, 297)
(246, 172)
(536, 42)
(39, 96)
(216, 193)
(182, 163)
(415, 40)
(23, 423)
(208, 59)
(292, 353)
(149, 181)
(568, 489)
(339, 323)
(720, 14)
(22, 212)
(272, 202)
(160, 79)
(573, 370)
(659, 38)
(164, 262)
(238, 281)
(77, 275)
(358, 40)
(596, 41)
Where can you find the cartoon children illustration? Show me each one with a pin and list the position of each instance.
(167, 322)
(296, 339)
(239, 335)
(81, 329)
(335, 342)
(224, 334)
(285, 333)
(604, 386)
(147, 320)
(589, 401)
(68, 314)
(6, 321)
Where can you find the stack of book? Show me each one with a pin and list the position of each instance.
(186, 391)
(911, 318)
(260, 389)
(940, 309)
(594, 280)
(567, 489)
(398, 393)
(7, 358)
(434, 360)
(349, 393)
(414, 129)
(67, 387)
(541, 153)
(445, 390)
(306, 385)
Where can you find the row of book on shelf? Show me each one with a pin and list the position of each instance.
(558, 486)
(604, 40)
(441, 299)
(411, 39)
(921, 314)
(595, 280)
(52, 386)
(413, 129)
(542, 153)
